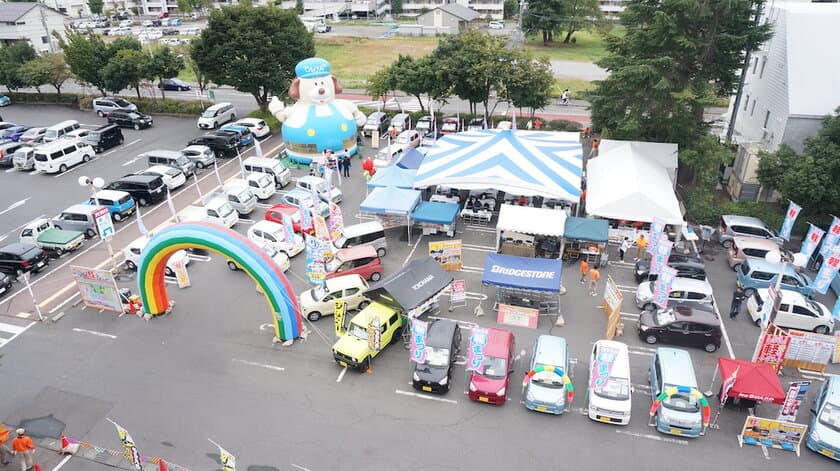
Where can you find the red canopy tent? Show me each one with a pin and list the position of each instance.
(753, 381)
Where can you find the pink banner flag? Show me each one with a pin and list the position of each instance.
(336, 221)
(475, 358)
(418, 341)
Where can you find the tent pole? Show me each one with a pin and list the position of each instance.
(408, 227)
(711, 391)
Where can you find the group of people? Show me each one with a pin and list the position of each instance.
(640, 243)
(22, 446)
(594, 275)
(330, 160)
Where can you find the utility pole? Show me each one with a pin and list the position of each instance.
(41, 7)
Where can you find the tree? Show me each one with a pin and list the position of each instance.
(126, 69)
(417, 77)
(12, 57)
(529, 83)
(253, 49)
(381, 83)
(543, 16)
(96, 6)
(200, 77)
(511, 8)
(580, 14)
(163, 64)
(809, 178)
(299, 7)
(396, 7)
(47, 69)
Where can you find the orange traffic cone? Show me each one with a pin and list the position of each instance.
(67, 447)
(163, 466)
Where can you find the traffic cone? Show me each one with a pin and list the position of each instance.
(67, 447)
(35, 467)
(163, 466)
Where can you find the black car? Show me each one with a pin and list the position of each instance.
(173, 84)
(19, 258)
(130, 119)
(681, 326)
(104, 137)
(5, 283)
(224, 145)
(443, 342)
(687, 266)
(145, 189)
(170, 32)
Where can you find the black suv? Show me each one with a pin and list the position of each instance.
(104, 137)
(224, 145)
(443, 342)
(130, 119)
(145, 189)
(687, 266)
(19, 258)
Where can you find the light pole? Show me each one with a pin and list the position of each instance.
(94, 184)
(796, 260)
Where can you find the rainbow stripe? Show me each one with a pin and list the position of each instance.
(253, 260)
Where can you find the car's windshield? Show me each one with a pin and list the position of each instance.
(437, 356)
(341, 242)
(403, 139)
(548, 378)
(617, 389)
(449, 125)
(51, 134)
(664, 317)
(830, 416)
(134, 116)
(182, 161)
(172, 172)
(244, 196)
(358, 331)
(122, 103)
(91, 137)
(493, 367)
(226, 210)
(209, 113)
(682, 403)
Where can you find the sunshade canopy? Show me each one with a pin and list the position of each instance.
(390, 200)
(595, 230)
(518, 162)
(536, 274)
(753, 381)
(411, 159)
(395, 176)
(412, 286)
(436, 213)
(528, 220)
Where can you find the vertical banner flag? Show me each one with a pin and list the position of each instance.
(130, 448)
(336, 221)
(305, 219)
(171, 205)
(831, 238)
(418, 341)
(374, 332)
(197, 186)
(338, 316)
(662, 286)
(241, 163)
(321, 231)
(812, 239)
(140, 226)
(656, 227)
(661, 255)
(328, 176)
(216, 171)
(227, 460)
(793, 399)
(315, 271)
(478, 340)
(728, 384)
(790, 218)
(257, 147)
(827, 272)
(288, 228)
(316, 200)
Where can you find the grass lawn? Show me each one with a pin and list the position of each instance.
(589, 46)
(576, 87)
(353, 60)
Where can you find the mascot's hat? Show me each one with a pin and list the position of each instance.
(312, 68)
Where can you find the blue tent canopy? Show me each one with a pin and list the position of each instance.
(595, 230)
(536, 274)
(411, 159)
(436, 213)
(390, 200)
(393, 176)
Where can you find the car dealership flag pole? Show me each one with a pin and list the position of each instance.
(171, 205)
(216, 171)
(241, 164)
(129, 446)
(258, 147)
(227, 460)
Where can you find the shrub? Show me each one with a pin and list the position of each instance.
(46, 98)
(168, 106)
(266, 116)
(564, 125)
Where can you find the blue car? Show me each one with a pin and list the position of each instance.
(245, 136)
(824, 434)
(13, 133)
(174, 84)
(5, 101)
(119, 203)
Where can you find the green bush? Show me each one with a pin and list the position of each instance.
(564, 125)
(45, 98)
(266, 116)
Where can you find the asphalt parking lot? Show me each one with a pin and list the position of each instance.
(210, 370)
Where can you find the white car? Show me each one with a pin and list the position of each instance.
(257, 126)
(795, 312)
(77, 133)
(279, 258)
(273, 234)
(133, 251)
(202, 156)
(126, 23)
(320, 301)
(504, 125)
(408, 139)
(496, 25)
(384, 157)
(171, 176)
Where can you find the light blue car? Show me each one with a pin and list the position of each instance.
(5, 101)
(680, 413)
(546, 391)
(245, 136)
(824, 434)
(756, 273)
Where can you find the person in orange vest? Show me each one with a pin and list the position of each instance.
(594, 276)
(5, 451)
(538, 123)
(23, 446)
(641, 245)
(584, 268)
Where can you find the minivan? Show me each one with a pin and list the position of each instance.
(119, 203)
(750, 247)
(7, 152)
(732, 225)
(401, 121)
(361, 260)
(376, 121)
(371, 233)
(824, 433)
(106, 104)
(489, 382)
(171, 158)
(216, 115)
(329, 195)
(609, 383)
(684, 291)
(78, 217)
(546, 391)
(58, 130)
(272, 167)
(58, 156)
(757, 273)
(320, 300)
(145, 189)
(679, 413)
(223, 145)
(24, 158)
(443, 343)
(681, 325)
(104, 137)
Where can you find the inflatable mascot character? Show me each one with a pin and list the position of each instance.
(317, 121)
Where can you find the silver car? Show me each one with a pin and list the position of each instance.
(105, 105)
(732, 225)
(201, 156)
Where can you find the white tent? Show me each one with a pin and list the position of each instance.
(663, 153)
(528, 220)
(632, 187)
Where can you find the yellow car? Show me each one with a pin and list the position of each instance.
(370, 331)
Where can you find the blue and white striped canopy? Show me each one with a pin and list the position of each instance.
(518, 162)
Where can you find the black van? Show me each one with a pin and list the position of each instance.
(223, 145)
(443, 342)
(145, 189)
(104, 137)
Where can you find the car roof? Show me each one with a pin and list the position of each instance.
(373, 311)
(162, 153)
(764, 265)
(731, 219)
(755, 242)
(234, 126)
(345, 281)
(218, 105)
(550, 345)
(359, 251)
(311, 178)
(788, 296)
(362, 228)
(678, 375)
(18, 248)
(249, 120)
(284, 208)
(688, 314)
(299, 192)
(497, 341)
(111, 194)
(161, 169)
(140, 178)
(82, 208)
(196, 147)
(690, 284)
(266, 225)
(440, 332)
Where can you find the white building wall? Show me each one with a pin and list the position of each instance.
(35, 29)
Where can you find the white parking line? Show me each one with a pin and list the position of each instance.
(723, 328)
(15, 330)
(341, 375)
(16, 204)
(73, 168)
(93, 332)
(261, 365)
(653, 437)
(63, 303)
(423, 396)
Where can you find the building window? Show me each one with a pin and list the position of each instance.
(747, 102)
(752, 110)
(45, 39)
(755, 65)
(766, 119)
(763, 63)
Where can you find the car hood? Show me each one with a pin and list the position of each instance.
(826, 435)
(679, 418)
(307, 299)
(546, 395)
(487, 385)
(432, 374)
(643, 291)
(611, 404)
(352, 346)
(646, 319)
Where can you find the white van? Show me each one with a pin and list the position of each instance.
(59, 130)
(260, 184)
(609, 383)
(58, 156)
(272, 167)
(328, 195)
(370, 233)
(216, 115)
(241, 198)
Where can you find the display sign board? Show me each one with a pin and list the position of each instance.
(338, 316)
(459, 291)
(612, 307)
(518, 316)
(418, 341)
(104, 224)
(774, 345)
(97, 288)
(777, 434)
(181, 275)
(447, 253)
(810, 351)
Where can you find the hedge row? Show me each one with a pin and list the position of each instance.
(85, 102)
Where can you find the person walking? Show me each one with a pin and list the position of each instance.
(594, 151)
(584, 269)
(5, 452)
(641, 244)
(622, 249)
(594, 276)
(737, 298)
(23, 446)
(347, 164)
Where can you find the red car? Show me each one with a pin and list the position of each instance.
(361, 260)
(490, 382)
(276, 212)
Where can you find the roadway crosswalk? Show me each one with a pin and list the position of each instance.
(11, 329)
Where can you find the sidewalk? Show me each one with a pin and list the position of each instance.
(48, 456)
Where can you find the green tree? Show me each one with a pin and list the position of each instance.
(163, 63)
(809, 178)
(253, 49)
(87, 55)
(127, 68)
(396, 7)
(529, 83)
(381, 83)
(418, 77)
(544, 17)
(299, 7)
(96, 6)
(47, 69)
(578, 15)
(12, 57)
(511, 8)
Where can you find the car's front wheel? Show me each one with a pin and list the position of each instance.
(313, 316)
(136, 127)
(651, 339)
(710, 347)
(232, 265)
(100, 114)
(376, 277)
(822, 329)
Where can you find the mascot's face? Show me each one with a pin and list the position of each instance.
(318, 91)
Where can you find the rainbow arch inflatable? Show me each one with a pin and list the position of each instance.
(253, 260)
(670, 391)
(567, 382)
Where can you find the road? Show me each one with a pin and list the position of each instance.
(210, 370)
